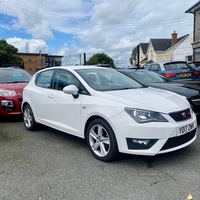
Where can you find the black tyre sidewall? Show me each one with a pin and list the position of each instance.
(34, 124)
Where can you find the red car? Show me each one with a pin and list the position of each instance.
(12, 82)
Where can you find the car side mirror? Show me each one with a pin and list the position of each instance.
(71, 89)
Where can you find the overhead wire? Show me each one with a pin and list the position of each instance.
(63, 20)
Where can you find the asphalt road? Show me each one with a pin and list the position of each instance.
(51, 165)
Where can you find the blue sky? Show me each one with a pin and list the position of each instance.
(66, 27)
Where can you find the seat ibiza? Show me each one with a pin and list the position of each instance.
(113, 112)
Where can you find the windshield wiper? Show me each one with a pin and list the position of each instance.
(129, 88)
(17, 82)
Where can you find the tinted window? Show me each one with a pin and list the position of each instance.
(175, 66)
(155, 67)
(148, 77)
(148, 67)
(44, 79)
(64, 78)
(104, 79)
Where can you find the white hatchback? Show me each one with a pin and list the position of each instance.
(113, 112)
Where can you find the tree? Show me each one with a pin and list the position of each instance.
(133, 55)
(8, 54)
(100, 58)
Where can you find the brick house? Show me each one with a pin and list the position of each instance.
(195, 9)
(36, 61)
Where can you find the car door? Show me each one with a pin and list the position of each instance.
(38, 96)
(63, 109)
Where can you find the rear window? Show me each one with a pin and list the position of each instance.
(176, 66)
(146, 77)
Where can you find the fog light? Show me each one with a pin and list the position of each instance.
(6, 103)
(140, 144)
(145, 142)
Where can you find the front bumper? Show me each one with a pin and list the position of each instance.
(10, 106)
(152, 138)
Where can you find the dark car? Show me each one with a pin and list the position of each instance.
(152, 79)
(12, 82)
(175, 70)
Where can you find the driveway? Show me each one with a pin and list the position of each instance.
(51, 165)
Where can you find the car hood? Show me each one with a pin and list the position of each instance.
(18, 87)
(147, 98)
(181, 89)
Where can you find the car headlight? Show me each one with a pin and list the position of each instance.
(145, 116)
(7, 93)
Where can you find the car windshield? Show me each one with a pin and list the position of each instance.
(175, 66)
(104, 79)
(14, 76)
(148, 77)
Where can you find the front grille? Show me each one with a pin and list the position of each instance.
(177, 141)
(181, 115)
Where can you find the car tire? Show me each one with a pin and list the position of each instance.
(101, 140)
(28, 118)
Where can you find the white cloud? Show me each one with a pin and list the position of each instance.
(29, 46)
(96, 25)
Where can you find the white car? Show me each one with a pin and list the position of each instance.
(113, 112)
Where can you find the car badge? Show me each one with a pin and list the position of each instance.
(184, 115)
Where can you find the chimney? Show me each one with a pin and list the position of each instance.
(174, 37)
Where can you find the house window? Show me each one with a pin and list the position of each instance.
(29, 60)
(57, 63)
(197, 54)
(188, 58)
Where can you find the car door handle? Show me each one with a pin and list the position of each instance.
(30, 93)
(50, 96)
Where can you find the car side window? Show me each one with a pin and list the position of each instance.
(148, 67)
(155, 67)
(44, 79)
(64, 78)
(61, 79)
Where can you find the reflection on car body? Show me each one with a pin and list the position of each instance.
(190, 91)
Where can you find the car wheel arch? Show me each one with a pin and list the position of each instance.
(23, 106)
(111, 149)
(92, 118)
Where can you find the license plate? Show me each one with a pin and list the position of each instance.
(185, 75)
(185, 129)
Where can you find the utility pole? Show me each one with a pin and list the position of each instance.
(40, 59)
(80, 58)
(84, 58)
(138, 56)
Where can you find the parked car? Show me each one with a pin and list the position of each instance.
(112, 111)
(12, 82)
(175, 70)
(152, 79)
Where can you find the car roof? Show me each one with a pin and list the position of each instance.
(74, 67)
(132, 69)
(168, 62)
(11, 68)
